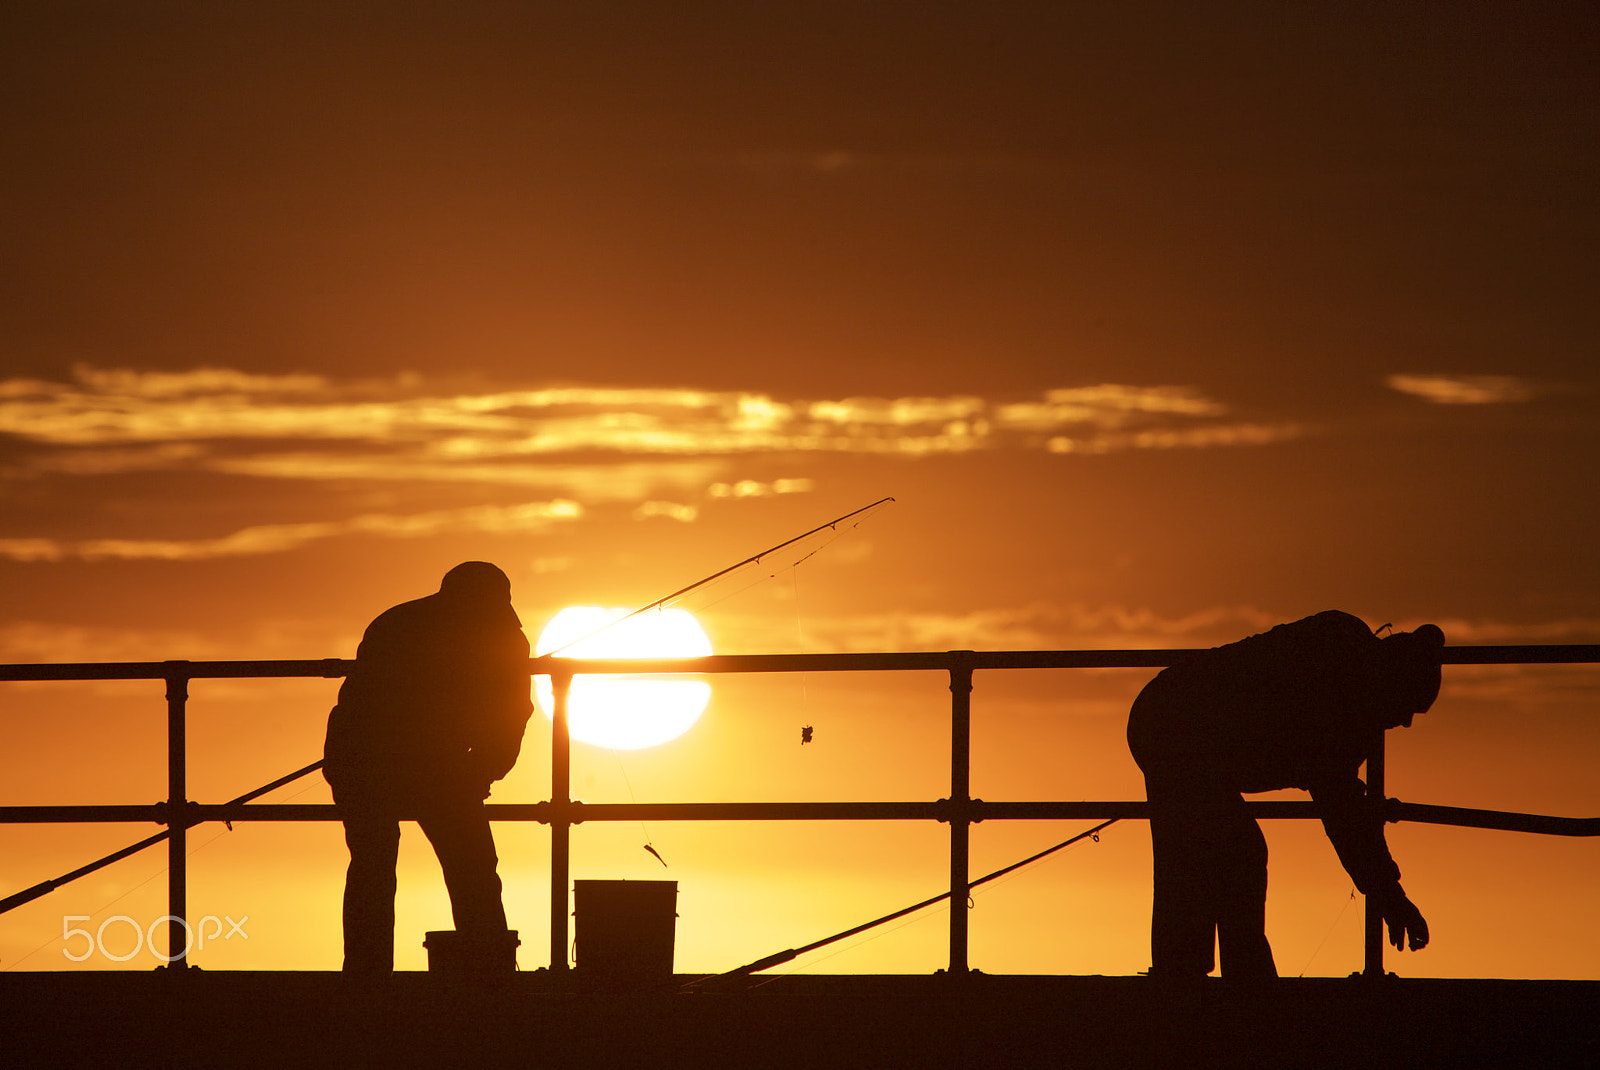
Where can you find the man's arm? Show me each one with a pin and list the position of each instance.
(1358, 840)
(504, 709)
(501, 743)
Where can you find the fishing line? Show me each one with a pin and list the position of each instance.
(103, 907)
(856, 946)
(96, 913)
(649, 844)
(794, 593)
(772, 575)
(675, 596)
(709, 583)
(1001, 876)
(800, 644)
(190, 853)
(758, 581)
(794, 579)
(28, 895)
(793, 953)
(1337, 919)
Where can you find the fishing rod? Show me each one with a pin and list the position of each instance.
(680, 592)
(45, 887)
(795, 952)
(752, 559)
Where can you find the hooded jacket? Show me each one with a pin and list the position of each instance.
(1299, 706)
(436, 703)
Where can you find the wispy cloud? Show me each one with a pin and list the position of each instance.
(23, 642)
(275, 538)
(667, 454)
(1173, 438)
(751, 488)
(1464, 389)
(624, 481)
(670, 510)
(1106, 405)
(198, 381)
(308, 427)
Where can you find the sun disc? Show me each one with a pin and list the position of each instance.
(626, 712)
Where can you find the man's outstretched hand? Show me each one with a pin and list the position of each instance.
(1407, 927)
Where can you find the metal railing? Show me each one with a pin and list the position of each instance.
(959, 810)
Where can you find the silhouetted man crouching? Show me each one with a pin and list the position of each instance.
(429, 717)
(1297, 707)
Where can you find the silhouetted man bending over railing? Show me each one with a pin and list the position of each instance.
(1296, 707)
(431, 714)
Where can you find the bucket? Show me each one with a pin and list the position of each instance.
(625, 929)
(458, 954)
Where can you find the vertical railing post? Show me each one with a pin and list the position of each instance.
(177, 816)
(560, 825)
(960, 797)
(1373, 966)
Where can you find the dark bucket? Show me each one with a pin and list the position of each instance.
(626, 929)
(458, 954)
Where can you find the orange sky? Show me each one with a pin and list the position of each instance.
(1160, 326)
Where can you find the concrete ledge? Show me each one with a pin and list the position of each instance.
(203, 1018)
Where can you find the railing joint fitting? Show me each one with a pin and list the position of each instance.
(947, 810)
(162, 810)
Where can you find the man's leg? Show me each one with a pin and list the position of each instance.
(461, 838)
(369, 885)
(1242, 905)
(1183, 918)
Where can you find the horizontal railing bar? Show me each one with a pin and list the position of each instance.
(941, 661)
(757, 811)
(868, 662)
(321, 668)
(715, 663)
(328, 668)
(88, 813)
(1466, 817)
(578, 812)
(1010, 659)
(977, 810)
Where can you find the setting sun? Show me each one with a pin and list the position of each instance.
(626, 712)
